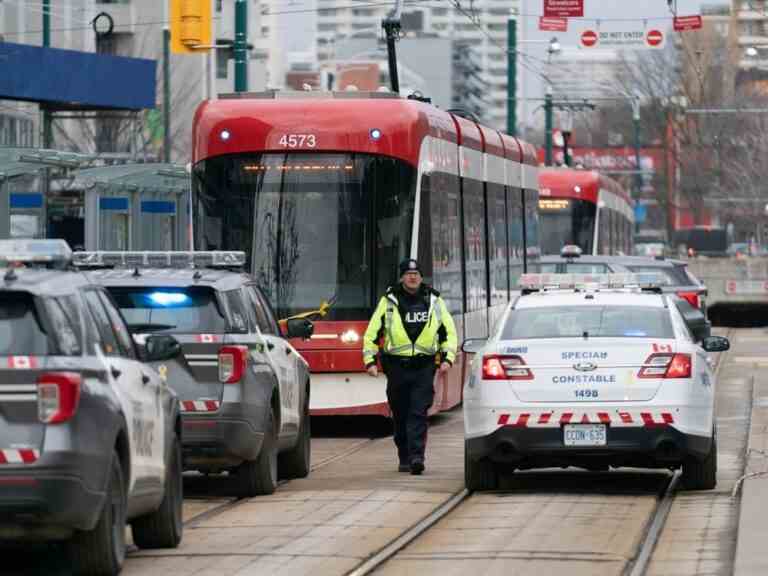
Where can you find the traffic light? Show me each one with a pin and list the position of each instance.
(190, 25)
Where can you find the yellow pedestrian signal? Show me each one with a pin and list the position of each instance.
(190, 26)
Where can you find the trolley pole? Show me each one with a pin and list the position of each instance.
(241, 45)
(548, 109)
(512, 77)
(391, 25)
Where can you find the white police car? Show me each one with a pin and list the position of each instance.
(592, 371)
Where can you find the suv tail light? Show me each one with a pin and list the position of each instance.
(58, 395)
(666, 366)
(691, 297)
(497, 367)
(233, 361)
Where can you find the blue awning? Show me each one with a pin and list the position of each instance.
(72, 80)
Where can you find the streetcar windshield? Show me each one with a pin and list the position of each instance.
(315, 226)
(566, 221)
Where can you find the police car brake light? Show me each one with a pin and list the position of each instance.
(570, 251)
(233, 362)
(666, 365)
(34, 252)
(505, 367)
(161, 259)
(58, 396)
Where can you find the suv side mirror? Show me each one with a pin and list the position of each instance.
(716, 344)
(299, 328)
(158, 347)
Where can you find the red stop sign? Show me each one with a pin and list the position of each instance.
(654, 37)
(588, 38)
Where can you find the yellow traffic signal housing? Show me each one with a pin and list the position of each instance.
(190, 25)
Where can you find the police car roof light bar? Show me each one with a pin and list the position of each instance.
(28, 252)
(542, 282)
(160, 259)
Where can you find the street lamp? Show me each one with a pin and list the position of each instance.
(512, 42)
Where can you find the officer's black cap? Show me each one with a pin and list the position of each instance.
(409, 265)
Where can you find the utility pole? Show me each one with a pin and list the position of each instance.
(512, 77)
(166, 93)
(241, 45)
(391, 25)
(47, 133)
(548, 108)
(638, 176)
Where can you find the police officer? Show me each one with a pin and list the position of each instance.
(419, 336)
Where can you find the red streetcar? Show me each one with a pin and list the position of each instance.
(328, 192)
(587, 209)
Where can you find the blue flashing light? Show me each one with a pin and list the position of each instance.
(168, 298)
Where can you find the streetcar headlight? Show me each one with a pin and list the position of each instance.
(225, 135)
(350, 337)
(375, 134)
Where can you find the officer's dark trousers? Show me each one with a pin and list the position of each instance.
(410, 393)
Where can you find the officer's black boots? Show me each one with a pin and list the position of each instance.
(417, 467)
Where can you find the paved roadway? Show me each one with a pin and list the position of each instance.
(355, 503)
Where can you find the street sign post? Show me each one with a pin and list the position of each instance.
(564, 8)
(553, 24)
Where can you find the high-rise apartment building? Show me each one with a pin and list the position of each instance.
(480, 42)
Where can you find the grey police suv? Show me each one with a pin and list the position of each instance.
(244, 389)
(89, 435)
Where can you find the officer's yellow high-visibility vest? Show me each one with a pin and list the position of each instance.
(396, 341)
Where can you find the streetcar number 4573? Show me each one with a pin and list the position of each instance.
(298, 141)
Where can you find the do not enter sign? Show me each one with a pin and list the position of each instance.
(588, 38)
(654, 38)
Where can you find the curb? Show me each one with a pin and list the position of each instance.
(752, 534)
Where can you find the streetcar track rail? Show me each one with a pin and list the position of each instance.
(410, 535)
(638, 565)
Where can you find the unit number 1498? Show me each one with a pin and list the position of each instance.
(298, 141)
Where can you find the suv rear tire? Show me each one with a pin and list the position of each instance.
(296, 463)
(164, 527)
(259, 477)
(102, 549)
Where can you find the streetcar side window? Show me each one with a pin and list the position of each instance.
(497, 244)
(446, 239)
(474, 245)
(515, 234)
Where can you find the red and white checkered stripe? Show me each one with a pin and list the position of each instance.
(200, 405)
(21, 362)
(25, 456)
(616, 418)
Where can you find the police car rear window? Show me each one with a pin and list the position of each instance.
(592, 321)
(673, 275)
(170, 310)
(21, 332)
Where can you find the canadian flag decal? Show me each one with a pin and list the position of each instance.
(21, 362)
